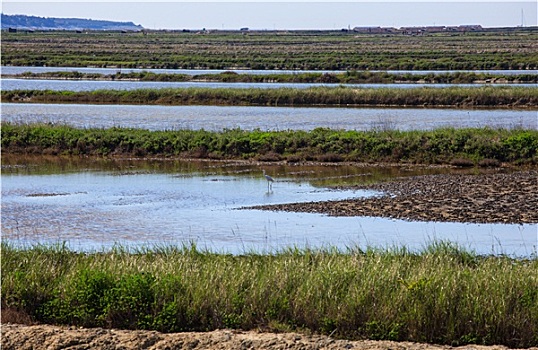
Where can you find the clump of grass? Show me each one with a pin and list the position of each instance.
(489, 163)
(462, 162)
(443, 294)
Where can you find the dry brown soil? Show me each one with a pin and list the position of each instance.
(46, 337)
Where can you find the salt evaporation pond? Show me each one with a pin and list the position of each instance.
(93, 85)
(216, 118)
(91, 207)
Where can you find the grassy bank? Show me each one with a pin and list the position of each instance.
(441, 295)
(298, 50)
(441, 146)
(350, 77)
(500, 96)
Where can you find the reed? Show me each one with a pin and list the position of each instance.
(479, 146)
(442, 294)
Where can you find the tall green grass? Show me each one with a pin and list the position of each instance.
(443, 294)
(487, 96)
(440, 146)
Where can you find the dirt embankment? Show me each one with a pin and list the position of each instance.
(510, 198)
(46, 337)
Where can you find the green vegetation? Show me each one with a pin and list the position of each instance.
(440, 146)
(500, 96)
(300, 50)
(443, 295)
(350, 77)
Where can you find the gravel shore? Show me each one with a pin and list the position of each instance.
(502, 197)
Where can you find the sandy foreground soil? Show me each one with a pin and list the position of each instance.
(510, 197)
(48, 337)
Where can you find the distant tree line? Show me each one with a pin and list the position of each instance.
(34, 22)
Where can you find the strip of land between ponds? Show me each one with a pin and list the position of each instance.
(453, 97)
(462, 147)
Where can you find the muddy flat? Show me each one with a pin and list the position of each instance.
(507, 197)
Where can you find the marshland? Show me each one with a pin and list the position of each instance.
(381, 230)
(316, 50)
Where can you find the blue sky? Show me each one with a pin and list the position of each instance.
(287, 15)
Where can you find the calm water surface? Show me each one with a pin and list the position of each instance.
(94, 205)
(91, 206)
(23, 69)
(216, 118)
(92, 85)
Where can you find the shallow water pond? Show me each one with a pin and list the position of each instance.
(95, 205)
(216, 118)
(23, 69)
(93, 85)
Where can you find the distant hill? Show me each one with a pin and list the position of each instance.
(51, 23)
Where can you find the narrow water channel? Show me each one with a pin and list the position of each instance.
(93, 85)
(22, 69)
(94, 206)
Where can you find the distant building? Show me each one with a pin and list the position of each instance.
(464, 28)
(374, 30)
(416, 30)
(412, 30)
(472, 27)
(435, 29)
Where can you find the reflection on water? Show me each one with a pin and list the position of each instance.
(216, 118)
(97, 204)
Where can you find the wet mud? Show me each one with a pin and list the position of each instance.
(508, 197)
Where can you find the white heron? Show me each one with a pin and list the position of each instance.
(269, 179)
